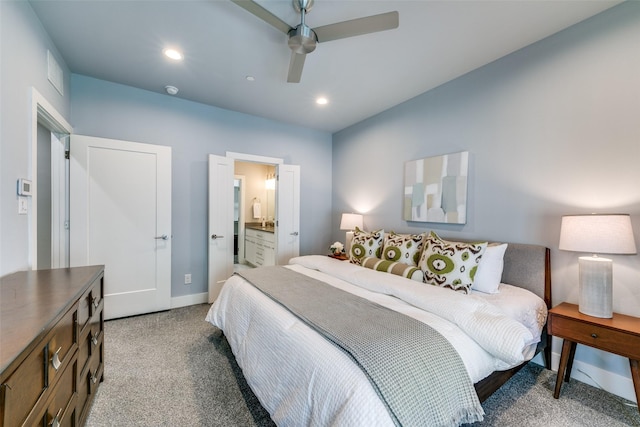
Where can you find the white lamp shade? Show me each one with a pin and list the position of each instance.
(597, 234)
(350, 221)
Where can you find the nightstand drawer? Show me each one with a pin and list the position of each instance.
(603, 338)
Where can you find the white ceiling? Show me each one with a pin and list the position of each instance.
(122, 41)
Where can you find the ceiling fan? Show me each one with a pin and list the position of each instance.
(303, 39)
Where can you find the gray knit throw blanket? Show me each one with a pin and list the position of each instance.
(417, 373)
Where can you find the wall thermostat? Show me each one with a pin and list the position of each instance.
(24, 187)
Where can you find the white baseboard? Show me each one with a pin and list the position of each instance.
(613, 383)
(186, 300)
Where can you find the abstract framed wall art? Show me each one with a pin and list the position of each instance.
(435, 189)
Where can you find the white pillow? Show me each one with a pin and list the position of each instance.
(489, 272)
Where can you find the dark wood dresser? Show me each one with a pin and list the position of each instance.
(51, 345)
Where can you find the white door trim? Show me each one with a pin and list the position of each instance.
(41, 111)
(243, 157)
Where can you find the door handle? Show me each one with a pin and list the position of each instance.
(163, 237)
(295, 233)
(215, 236)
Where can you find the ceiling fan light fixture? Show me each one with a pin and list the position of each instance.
(302, 39)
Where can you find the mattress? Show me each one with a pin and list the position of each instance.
(302, 379)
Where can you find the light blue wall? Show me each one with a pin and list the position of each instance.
(108, 110)
(551, 129)
(23, 66)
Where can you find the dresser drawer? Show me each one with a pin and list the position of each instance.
(25, 388)
(28, 386)
(62, 407)
(90, 338)
(91, 302)
(611, 340)
(62, 344)
(89, 379)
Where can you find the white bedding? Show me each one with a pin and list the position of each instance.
(321, 385)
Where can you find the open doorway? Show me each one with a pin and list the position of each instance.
(286, 215)
(254, 214)
(52, 199)
(48, 222)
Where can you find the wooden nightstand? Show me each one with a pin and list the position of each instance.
(619, 335)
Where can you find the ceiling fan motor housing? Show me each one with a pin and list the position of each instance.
(300, 5)
(302, 39)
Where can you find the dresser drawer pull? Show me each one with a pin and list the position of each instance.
(55, 421)
(594, 335)
(94, 339)
(94, 379)
(94, 302)
(55, 360)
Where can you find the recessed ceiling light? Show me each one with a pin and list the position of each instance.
(322, 101)
(250, 78)
(171, 90)
(174, 54)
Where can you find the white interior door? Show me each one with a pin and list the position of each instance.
(221, 173)
(288, 213)
(120, 216)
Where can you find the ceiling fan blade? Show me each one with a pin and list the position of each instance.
(295, 67)
(262, 13)
(359, 26)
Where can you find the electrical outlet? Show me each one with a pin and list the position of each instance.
(187, 279)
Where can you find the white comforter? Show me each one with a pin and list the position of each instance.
(321, 385)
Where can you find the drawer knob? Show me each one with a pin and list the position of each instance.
(94, 339)
(94, 301)
(594, 335)
(55, 360)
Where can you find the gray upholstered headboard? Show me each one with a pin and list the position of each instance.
(528, 266)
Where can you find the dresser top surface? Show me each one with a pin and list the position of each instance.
(32, 301)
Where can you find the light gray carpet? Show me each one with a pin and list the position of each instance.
(173, 368)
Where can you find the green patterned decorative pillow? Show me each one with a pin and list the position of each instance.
(397, 268)
(365, 244)
(404, 248)
(450, 264)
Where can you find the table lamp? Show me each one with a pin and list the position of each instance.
(598, 234)
(349, 222)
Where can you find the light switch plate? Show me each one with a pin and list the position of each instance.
(23, 205)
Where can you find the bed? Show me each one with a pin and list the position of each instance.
(304, 377)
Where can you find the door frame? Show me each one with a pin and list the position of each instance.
(242, 157)
(252, 158)
(42, 111)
